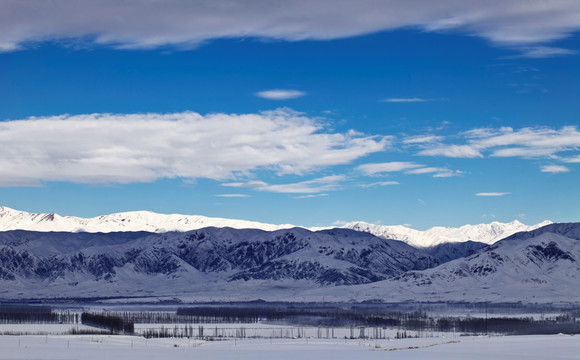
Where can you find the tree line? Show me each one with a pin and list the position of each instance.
(115, 324)
(35, 314)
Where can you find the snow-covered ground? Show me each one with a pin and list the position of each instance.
(41, 329)
(89, 347)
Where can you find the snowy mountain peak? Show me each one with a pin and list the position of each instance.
(485, 233)
(11, 219)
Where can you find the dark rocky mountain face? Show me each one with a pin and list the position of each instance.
(547, 256)
(450, 251)
(541, 263)
(330, 257)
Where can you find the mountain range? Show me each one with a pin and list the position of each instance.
(537, 266)
(11, 219)
(129, 261)
(225, 264)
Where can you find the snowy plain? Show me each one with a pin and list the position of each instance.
(90, 347)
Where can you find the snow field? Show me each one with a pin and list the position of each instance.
(90, 347)
(41, 329)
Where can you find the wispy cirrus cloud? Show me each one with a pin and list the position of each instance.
(310, 196)
(527, 143)
(554, 169)
(422, 139)
(128, 148)
(454, 151)
(540, 52)
(574, 159)
(438, 172)
(379, 184)
(492, 194)
(387, 167)
(527, 26)
(373, 169)
(280, 94)
(532, 142)
(406, 100)
(319, 185)
(233, 195)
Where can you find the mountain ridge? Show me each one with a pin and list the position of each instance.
(482, 233)
(199, 257)
(222, 264)
(11, 219)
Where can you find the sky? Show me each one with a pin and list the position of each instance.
(419, 113)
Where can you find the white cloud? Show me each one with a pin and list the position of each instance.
(394, 166)
(492, 194)
(554, 169)
(380, 183)
(539, 52)
(323, 184)
(373, 169)
(539, 142)
(424, 170)
(233, 195)
(526, 141)
(436, 171)
(127, 148)
(445, 173)
(280, 94)
(420, 139)
(454, 151)
(526, 152)
(310, 196)
(405, 100)
(182, 23)
(575, 159)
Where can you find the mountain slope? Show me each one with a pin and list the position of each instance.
(540, 265)
(450, 251)
(228, 264)
(135, 263)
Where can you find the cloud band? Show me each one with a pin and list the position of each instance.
(127, 148)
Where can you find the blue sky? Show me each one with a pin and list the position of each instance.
(311, 113)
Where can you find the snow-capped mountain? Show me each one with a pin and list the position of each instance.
(11, 219)
(151, 222)
(540, 265)
(228, 264)
(136, 263)
(483, 233)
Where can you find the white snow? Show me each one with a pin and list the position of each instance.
(11, 219)
(485, 233)
(90, 347)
